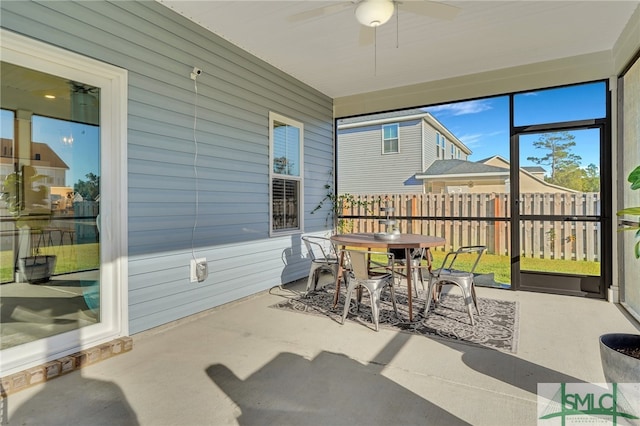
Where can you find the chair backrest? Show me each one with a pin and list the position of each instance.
(399, 254)
(478, 250)
(359, 261)
(319, 248)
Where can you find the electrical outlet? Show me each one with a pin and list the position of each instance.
(198, 270)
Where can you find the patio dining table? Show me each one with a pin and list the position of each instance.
(403, 241)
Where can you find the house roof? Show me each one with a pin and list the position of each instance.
(47, 156)
(409, 114)
(448, 169)
(534, 169)
(458, 168)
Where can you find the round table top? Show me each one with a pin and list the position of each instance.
(403, 241)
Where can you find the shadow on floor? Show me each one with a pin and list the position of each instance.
(508, 368)
(100, 403)
(329, 389)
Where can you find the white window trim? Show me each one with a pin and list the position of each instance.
(397, 125)
(286, 120)
(112, 81)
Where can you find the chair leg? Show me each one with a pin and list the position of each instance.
(475, 299)
(468, 294)
(375, 307)
(312, 281)
(420, 276)
(429, 295)
(393, 298)
(470, 314)
(347, 302)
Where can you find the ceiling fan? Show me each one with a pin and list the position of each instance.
(373, 13)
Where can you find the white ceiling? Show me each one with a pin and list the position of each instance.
(326, 52)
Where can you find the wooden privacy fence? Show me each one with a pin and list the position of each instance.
(459, 218)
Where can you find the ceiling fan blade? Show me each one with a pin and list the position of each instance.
(366, 36)
(320, 11)
(429, 8)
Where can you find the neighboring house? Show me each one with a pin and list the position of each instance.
(382, 153)
(490, 175)
(42, 158)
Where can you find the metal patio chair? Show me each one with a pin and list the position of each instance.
(323, 258)
(400, 262)
(448, 274)
(359, 275)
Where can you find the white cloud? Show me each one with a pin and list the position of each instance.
(473, 139)
(462, 108)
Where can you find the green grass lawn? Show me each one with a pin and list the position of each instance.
(70, 258)
(83, 257)
(500, 266)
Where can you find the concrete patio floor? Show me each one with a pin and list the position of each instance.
(245, 363)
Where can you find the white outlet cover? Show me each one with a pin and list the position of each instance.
(192, 270)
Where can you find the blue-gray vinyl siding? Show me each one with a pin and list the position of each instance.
(236, 91)
(364, 169)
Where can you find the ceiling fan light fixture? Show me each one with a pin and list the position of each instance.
(373, 13)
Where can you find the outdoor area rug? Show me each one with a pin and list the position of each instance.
(496, 327)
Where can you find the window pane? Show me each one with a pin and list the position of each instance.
(391, 131)
(285, 204)
(390, 146)
(630, 198)
(286, 149)
(49, 173)
(390, 138)
(580, 102)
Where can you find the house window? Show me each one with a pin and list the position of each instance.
(453, 149)
(440, 144)
(390, 138)
(286, 143)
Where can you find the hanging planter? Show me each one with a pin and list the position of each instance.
(37, 269)
(27, 199)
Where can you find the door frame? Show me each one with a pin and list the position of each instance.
(112, 81)
(552, 281)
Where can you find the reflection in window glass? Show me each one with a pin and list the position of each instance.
(49, 205)
(286, 149)
(630, 198)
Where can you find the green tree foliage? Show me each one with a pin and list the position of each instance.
(90, 189)
(564, 165)
(591, 181)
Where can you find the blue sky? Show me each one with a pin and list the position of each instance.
(483, 125)
(82, 156)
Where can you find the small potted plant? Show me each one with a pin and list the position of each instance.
(620, 352)
(27, 200)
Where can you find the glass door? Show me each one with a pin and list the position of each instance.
(49, 205)
(558, 210)
(62, 203)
